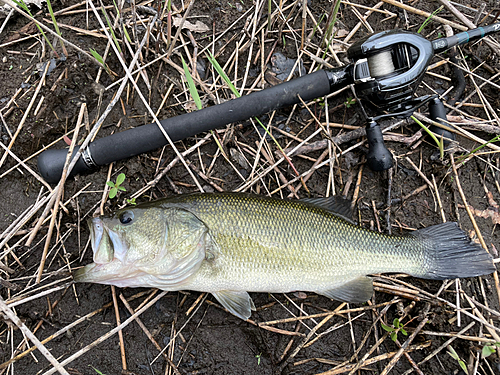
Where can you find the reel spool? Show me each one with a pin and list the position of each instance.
(381, 64)
(388, 68)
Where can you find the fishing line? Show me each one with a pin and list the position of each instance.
(381, 64)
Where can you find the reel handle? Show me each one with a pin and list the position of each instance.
(379, 158)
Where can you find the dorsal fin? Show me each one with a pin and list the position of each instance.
(336, 204)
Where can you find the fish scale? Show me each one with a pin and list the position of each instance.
(231, 243)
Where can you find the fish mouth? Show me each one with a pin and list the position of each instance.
(102, 246)
(108, 252)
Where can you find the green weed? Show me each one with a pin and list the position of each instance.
(116, 186)
(332, 19)
(110, 27)
(461, 158)
(455, 356)
(191, 85)
(258, 356)
(397, 326)
(429, 19)
(23, 5)
(96, 370)
(56, 27)
(349, 102)
(439, 142)
(489, 349)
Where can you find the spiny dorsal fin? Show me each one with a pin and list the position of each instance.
(336, 204)
(355, 291)
(237, 303)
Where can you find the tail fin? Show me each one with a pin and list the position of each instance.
(451, 254)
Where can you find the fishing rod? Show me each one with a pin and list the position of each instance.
(386, 68)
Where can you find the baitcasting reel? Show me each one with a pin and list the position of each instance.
(387, 69)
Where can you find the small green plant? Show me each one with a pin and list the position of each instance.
(99, 59)
(489, 349)
(455, 356)
(110, 27)
(496, 139)
(23, 5)
(349, 102)
(49, 6)
(258, 356)
(96, 370)
(397, 326)
(439, 142)
(332, 19)
(429, 19)
(131, 201)
(191, 85)
(169, 22)
(116, 186)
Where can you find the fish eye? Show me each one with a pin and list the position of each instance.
(126, 217)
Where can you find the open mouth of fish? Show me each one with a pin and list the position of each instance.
(109, 250)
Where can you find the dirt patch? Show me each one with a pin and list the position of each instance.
(201, 337)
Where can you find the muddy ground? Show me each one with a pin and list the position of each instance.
(203, 338)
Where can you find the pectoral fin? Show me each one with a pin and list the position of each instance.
(237, 303)
(355, 291)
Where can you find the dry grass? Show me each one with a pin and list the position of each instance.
(248, 42)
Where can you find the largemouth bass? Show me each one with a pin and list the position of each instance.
(230, 244)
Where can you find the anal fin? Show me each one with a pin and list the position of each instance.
(237, 303)
(355, 291)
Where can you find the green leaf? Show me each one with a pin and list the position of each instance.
(404, 332)
(96, 370)
(112, 32)
(487, 351)
(428, 19)
(453, 353)
(463, 366)
(387, 328)
(223, 74)
(394, 336)
(439, 144)
(97, 56)
(112, 193)
(191, 85)
(396, 323)
(121, 188)
(120, 179)
(22, 5)
(126, 34)
(110, 183)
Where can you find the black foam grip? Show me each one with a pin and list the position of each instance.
(149, 137)
(51, 163)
